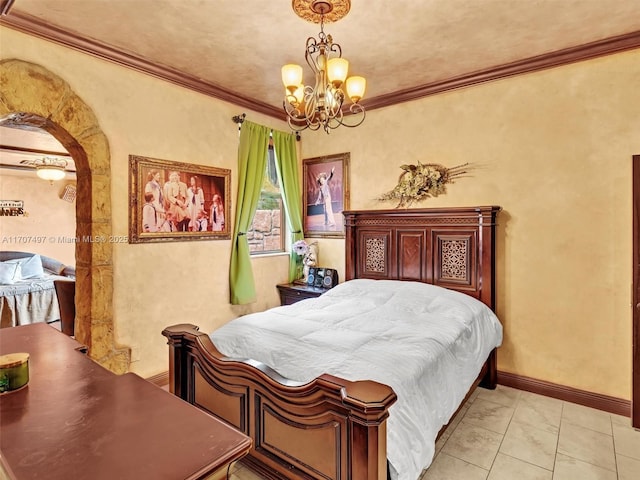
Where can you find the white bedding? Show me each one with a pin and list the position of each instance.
(426, 342)
(30, 300)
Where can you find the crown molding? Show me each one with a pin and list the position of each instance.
(34, 26)
(558, 58)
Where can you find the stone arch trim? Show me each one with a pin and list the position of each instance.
(32, 95)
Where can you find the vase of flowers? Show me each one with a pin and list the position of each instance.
(307, 257)
(300, 248)
(309, 260)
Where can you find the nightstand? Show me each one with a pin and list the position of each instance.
(293, 292)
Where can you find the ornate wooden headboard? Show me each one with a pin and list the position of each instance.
(449, 247)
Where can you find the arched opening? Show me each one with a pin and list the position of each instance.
(32, 95)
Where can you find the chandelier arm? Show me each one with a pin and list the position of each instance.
(334, 104)
(312, 48)
(296, 126)
(355, 109)
(291, 107)
(334, 122)
(336, 48)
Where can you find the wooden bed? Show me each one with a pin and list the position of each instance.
(331, 428)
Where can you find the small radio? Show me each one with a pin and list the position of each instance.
(322, 277)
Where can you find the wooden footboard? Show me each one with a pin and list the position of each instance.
(328, 428)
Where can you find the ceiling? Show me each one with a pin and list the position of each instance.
(406, 48)
(21, 148)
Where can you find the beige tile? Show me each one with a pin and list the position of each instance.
(244, 473)
(455, 420)
(628, 468)
(587, 417)
(490, 415)
(446, 467)
(620, 420)
(568, 468)
(587, 445)
(473, 444)
(442, 440)
(503, 395)
(541, 400)
(235, 466)
(626, 441)
(541, 415)
(474, 395)
(530, 445)
(509, 468)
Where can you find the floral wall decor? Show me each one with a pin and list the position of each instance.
(421, 181)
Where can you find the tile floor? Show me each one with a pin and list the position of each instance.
(508, 434)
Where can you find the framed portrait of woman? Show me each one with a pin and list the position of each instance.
(325, 195)
(173, 201)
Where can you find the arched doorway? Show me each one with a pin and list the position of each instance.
(32, 95)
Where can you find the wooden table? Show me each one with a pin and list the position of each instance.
(77, 420)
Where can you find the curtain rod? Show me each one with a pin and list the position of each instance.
(239, 119)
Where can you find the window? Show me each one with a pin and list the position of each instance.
(266, 234)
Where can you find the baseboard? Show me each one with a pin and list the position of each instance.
(606, 403)
(161, 379)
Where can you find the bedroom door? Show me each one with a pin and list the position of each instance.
(635, 393)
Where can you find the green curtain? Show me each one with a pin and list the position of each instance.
(287, 162)
(252, 163)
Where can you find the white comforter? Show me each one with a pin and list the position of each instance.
(428, 343)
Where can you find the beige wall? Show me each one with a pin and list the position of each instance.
(554, 150)
(156, 285)
(49, 224)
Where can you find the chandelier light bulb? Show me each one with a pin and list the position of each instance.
(291, 76)
(337, 70)
(356, 87)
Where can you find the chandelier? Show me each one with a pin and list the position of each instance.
(321, 105)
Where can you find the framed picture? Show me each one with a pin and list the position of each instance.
(175, 202)
(325, 195)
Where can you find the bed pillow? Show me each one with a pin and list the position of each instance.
(31, 267)
(9, 273)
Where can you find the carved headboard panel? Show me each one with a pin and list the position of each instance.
(449, 247)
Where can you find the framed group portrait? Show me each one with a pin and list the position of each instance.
(325, 195)
(172, 201)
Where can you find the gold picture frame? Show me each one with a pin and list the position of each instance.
(325, 195)
(175, 202)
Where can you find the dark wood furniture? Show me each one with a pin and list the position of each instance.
(66, 293)
(294, 292)
(635, 362)
(77, 420)
(331, 428)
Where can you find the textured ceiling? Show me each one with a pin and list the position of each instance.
(240, 46)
